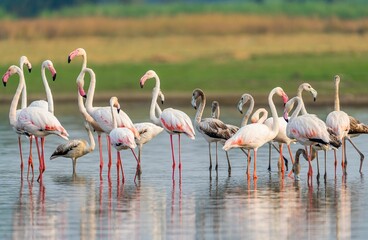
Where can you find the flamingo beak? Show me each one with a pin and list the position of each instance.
(4, 83)
(29, 70)
(69, 59)
(53, 77)
(286, 116)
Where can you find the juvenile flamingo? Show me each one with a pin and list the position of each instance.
(308, 130)
(33, 120)
(102, 115)
(253, 136)
(296, 165)
(76, 148)
(356, 128)
(121, 137)
(212, 129)
(172, 120)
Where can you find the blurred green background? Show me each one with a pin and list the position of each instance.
(224, 47)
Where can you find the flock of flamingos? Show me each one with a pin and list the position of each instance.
(37, 120)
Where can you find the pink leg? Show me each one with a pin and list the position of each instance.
(248, 162)
(138, 164)
(343, 158)
(281, 146)
(40, 160)
(30, 158)
(117, 165)
(310, 171)
(101, 158)
(335, 161)
(179, 153)
(255, 164)
(43, 154)
(121, 166)
(292, 159)
(21, 156)
(109, 155)
(172, 152)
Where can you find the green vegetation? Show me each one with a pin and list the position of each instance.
(341, 9)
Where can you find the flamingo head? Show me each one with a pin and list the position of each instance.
(148, 75)
(81, 89)
(77, 52)
(115, 103)
(215, 108)
(162, 97)
(307, 87)
(11, 70)
(24, 61)
(196, 94)
(281, 93)
(49, 65)
(243, 100)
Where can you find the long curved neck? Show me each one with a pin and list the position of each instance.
(91, 89)
(24, 90)
(50, 100)
(92, 143)
(113, 114)
(275, 126)
(298, 107)
(299, 94)
(14, 103)
(154, 104)
(248, 113)
(337, 98)
(200, 108)
(83, 110)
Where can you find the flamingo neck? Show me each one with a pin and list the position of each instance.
(14, 103)
(298, 107)
(248, 112)
(299, 94)
(113, 114)
(216, 112)
(91, 89)
(275, 126)
(200, 108)
(82, 109)
(92, 143)
(154, 104)
(50, 100)
(24, 90)
(337, 98)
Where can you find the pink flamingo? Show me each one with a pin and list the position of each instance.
(253, 136)
(308, 130)
(121, 137)
(212, 129)
(172, 120)
(339, 122)
(33, 120)
(102, 115)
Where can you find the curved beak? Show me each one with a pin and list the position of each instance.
(4, 83)
(142, 81)
(240, 106)
(53, 77)
(286, 115)
(194, 103)
(314, 94)
(69, 59)
(29, 70)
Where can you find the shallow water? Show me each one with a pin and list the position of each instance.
(197, 205)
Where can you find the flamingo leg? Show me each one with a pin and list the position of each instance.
(39, 159)
(359, 152)
(248, 162)
(255, 164)
(317, 168)
(43, 154)
(325, 176)
(30, 158)
(179, 153)
(21, 156)
(172, 152)
(281, 161)
(101, 158)
(335, 161)
(209, 152)
(291, 157)
(139, 170)
(74, 160)
(269, 157)
(109, 155)
(228, 161)
(121, 166)
(310, 170)
(216, 168)
(138, 164)
(343, 157)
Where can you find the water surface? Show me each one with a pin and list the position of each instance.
(198, 205)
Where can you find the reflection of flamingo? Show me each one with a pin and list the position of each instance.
(121, 137)
(212, 129)
(172, 120)
(308, 130)
(33, 120)
(339, 122)
(254, 135)
(102, 115)
(76, 148)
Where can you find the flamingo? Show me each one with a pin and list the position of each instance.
(356, 128)
(102, 115)
(212, 129)
(253, 136)
(308, 130)
(32, 120)
(339, 122)
(296, 165)
(172, 120)
(76, 148)
(22, 61)
(121, 137)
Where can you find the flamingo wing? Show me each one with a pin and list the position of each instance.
(356, 127)
(67, 149)
(214, 128)
(175, 121)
